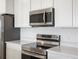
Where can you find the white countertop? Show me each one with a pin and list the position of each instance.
(64, 50)
(20, 42)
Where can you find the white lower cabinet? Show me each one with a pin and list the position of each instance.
(60, 56)
(13, 51)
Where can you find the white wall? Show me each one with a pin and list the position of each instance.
(69, 36)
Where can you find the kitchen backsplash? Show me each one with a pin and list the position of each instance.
(69, 36)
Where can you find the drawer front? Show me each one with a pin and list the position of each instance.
(60, 56)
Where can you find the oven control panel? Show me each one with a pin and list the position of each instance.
(55, 39)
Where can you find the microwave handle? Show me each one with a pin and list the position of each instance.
(44, 16)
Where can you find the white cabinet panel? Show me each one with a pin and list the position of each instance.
(13, 51)
(10, 6)
(41, 4)
(63, 13)
(47, 3)
(75, 13)
(36, 4)
(21, 10)
(60, 56)
(2, 6)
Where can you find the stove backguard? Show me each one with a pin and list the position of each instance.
(48, 39)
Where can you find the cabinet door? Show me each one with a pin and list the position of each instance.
(2, 6)
(75, 13)
(21, 10)
(47, 3)
(13, 52)
(35, 4)
(10, 6)
(63, 13)
(60, 56)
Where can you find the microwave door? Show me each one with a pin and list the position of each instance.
(37, 19)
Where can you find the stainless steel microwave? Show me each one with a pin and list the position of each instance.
(43, 17)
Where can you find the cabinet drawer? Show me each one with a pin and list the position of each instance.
(52, 55)
(56, 56)
(13, 51)
(14, 46)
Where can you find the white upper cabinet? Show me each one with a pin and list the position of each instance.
(63, 13)
(47, 3)
(75, 13)
(2, 6)
(41, 4)
(10, 6)
(21, 11)
(36, 4)
(66, 13)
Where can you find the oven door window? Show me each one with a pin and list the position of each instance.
(36, 18)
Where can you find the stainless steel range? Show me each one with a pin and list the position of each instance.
(37, 50)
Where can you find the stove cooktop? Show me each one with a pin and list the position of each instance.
(37, 47)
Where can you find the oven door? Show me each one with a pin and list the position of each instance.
(30, 55)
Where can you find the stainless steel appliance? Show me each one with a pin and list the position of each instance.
(8, 32)
(37, 50)
(43, 17)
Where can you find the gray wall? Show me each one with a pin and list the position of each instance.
(69, 36)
